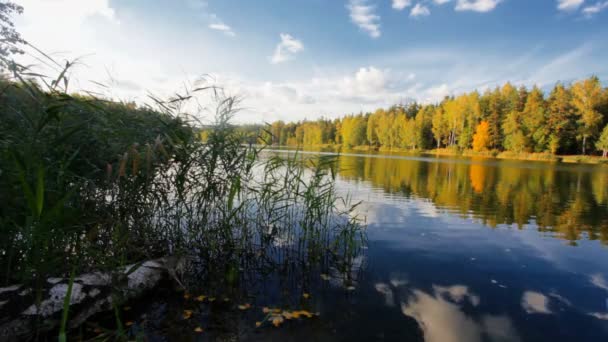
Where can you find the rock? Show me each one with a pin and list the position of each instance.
(91, 294)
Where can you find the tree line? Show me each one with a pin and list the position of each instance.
(571, 119)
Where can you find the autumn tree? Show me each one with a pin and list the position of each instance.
(515, 139)
(586, 97)
(602, 143)
(481, 139)
(439, 126)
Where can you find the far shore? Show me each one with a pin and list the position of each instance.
(506, 155)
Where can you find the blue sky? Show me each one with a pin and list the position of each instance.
(301, 59)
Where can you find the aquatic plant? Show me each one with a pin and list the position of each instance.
(94, 185)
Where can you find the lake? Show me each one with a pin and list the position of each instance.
(473, 250)
(458, 249)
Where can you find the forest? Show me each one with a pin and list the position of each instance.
(571, 119)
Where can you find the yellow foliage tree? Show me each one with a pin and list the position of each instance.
(481, 139)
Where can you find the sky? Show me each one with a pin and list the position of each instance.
(305, 59)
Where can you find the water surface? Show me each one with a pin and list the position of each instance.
(474, 250)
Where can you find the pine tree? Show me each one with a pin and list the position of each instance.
(560, 118)
(534, 121)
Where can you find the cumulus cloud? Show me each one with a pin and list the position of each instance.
(596, 8)
(364, 15)
(569, 5)
(420, 11)
(225, 29)
(440, 2)
(535, 303)
(477, 5)
(442, 317)
(401, 4)
(286, 50)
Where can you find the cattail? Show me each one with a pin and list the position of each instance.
(123, 165)
(160, 147)
(109, 171)
(149, 157)
(135, 156)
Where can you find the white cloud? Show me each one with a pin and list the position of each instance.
(227, 30)
(442, 317)
(364, 16)
(477, 5)
(535, 303)
(420, 11)
(569, 5)
(401, 4)
(286, 49)
(594, 9)
(369, 79)
(440, 2)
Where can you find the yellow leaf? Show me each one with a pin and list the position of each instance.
(258, 324)
(306, 295)
(325, 276)
(127, 308)
(186, 296)
(200, 298)
(277, 320)
(287, 315)
(129, 323)
(265, 310)
(198, 330)
(187, 314)
(305, 313)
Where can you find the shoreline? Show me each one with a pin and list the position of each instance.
(505, 155)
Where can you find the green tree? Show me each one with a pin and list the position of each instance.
(534, 121)
(560, 118)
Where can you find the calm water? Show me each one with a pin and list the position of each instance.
(473, 250)
(459, 250)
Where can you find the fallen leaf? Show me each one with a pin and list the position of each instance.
(187, 314)
(212, 299)
(265, 310)
(198, 330)
(129, 323)
(306, 295)
(258, 324)
(127, 308)
(325, 276)
(277, 320)
(200, 298)
(287, 315)
(186, 296)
